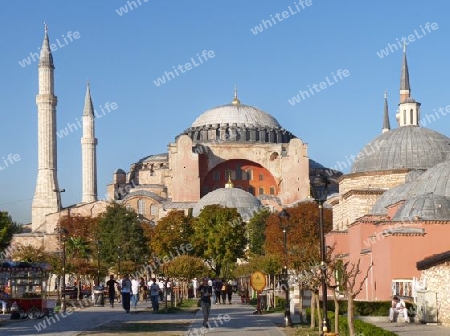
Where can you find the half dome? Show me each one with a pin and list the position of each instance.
(245, 203)
(435, 180)
(424, 207)
(391, 196)
(407, 147)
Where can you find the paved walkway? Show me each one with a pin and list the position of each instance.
(225, 320)
(409, 329)
(234, 319)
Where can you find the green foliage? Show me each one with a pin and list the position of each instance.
(256, 231)
(219, 236)
(185, 267)
(7, 229)
(361, 327)
(367, 308)
(172, 231)
(120, 227)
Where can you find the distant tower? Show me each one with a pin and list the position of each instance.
(45, 199)
(88, 148)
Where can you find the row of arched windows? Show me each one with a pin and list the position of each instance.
(411, 117)
(141, 208)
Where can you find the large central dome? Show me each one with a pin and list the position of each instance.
(237, 122)
(236, 114)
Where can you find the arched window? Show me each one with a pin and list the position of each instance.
(272, 190)
(141, 207)
(404, 117)
(153, 210)
(261, 176)
(411, 113)
(216, 176)
(251, 190)
(261, 191)
(239, 186)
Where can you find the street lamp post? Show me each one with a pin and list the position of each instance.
(99, 243)
(62, 241)
(319, 187)
(284, 226)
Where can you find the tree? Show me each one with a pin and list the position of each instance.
(29, 253)
(119, 226)
(352, 286)
(303, 245)
(7, 229)
(219, 236)
(172, 231)
(256, 231)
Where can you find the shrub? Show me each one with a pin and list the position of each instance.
(361, 327)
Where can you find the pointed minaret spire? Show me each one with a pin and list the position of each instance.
(88, 150)
(88, 106)
(46, 200)
(236, 100)
(386, 123)
(405, 89)
(46, 58)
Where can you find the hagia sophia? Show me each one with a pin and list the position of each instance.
(392, 211)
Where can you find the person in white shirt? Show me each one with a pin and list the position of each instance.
(195, 286)
(134, 292)
(398, 307)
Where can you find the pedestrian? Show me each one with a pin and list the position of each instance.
(142, 290)
(223, 291)
(134, 292)
(111, 284)
(154, 295)
(205, 292)
(217, 290)
(126, 293)
(195, 287)
(229, 291)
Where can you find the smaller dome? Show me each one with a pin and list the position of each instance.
(424, 207)
(245, 203)
(120, 172)
(391, 196)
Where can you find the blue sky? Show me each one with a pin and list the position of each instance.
(122, 56)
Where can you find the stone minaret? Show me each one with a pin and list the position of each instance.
(386, 123)
(88, 148)
(405, 89)
(46, 199)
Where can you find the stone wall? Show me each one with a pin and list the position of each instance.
(359, 192)
(437, 280)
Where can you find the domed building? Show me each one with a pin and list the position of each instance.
(393, 208)
(235, 142)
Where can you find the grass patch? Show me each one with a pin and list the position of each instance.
(165, 328)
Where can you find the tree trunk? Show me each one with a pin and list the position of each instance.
(350, 315)
(319, 312)
(313, 310)
(336, 312)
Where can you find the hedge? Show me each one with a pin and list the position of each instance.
(361, 327)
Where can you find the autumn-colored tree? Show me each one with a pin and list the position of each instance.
(172, 232)
(219, 237)
(303, 245)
